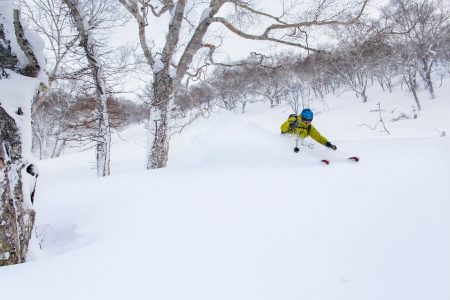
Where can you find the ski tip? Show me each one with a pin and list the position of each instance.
(325, 161)
(354, 158)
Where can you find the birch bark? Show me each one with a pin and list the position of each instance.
(163, 94)
(87, 42)
(17, 174)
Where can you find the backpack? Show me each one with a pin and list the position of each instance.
(292, 123)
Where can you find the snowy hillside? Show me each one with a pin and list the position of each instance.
(238, 215)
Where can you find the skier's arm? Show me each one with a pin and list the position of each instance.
(315, 135)
(320, 139)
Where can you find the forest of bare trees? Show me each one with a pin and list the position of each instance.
(407, 45)
(81, 60)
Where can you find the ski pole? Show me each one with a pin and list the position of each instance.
(296, 149)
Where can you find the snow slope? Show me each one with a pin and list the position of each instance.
(238, 215)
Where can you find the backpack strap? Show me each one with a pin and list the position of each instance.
(293, 124)
(308, 129)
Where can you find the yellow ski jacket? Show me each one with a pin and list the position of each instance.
(302, 129)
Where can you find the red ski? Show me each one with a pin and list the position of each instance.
(352, 158)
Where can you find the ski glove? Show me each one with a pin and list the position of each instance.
(331, 146)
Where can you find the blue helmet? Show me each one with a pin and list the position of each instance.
(307, 115)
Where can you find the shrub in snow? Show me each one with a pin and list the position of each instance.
(398, 114)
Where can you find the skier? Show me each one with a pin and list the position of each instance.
(301, 126)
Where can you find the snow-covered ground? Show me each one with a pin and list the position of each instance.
(238, 215)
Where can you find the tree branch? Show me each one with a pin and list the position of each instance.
(167, 5)
(264, 36)
(142, 23)
(284, 25)
(260, 59)
(257, 12)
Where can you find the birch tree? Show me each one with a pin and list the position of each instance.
(87, 42)
(173, 61)
(21, 61)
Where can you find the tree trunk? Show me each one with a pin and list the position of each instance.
(38, 140)
(60, 148)
(17, 175)
(364, 95)
(388, 80)
(416, 99)
(381, 82)
(103, 149)
(16, 215)
(411, 82)
(430, 86)
(159, 121)
(361, 83)
(163, 94)
(426, 75)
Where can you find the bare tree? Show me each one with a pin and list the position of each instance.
(297, 94)
(19, 62)
(81, 13)
(234, 88)
(358, 55)
(176, 56)
(407, 67)
(314, 70)
(50, 132)
(422, 24)
(270, 84)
